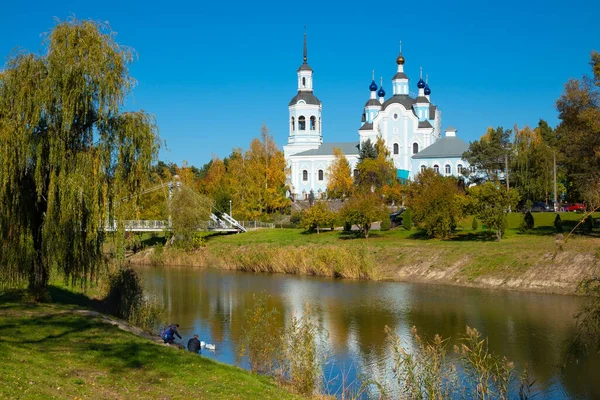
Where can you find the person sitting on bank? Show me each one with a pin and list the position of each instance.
(194, 344)
(170, 333)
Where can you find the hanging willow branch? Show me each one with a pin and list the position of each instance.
(66, 150)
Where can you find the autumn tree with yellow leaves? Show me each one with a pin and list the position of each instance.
(340, 183)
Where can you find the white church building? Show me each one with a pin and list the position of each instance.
(411, 127)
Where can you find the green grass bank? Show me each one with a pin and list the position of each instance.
(65, 350)
(530, 261)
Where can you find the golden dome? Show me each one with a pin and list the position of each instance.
(400, 60)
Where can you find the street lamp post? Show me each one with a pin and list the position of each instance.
(230, 209)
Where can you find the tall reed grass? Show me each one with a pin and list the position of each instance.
(355, 262)
(288, 352)
(474, 372)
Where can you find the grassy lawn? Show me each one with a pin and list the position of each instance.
(47, 351)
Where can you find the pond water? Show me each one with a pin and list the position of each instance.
(527, 328)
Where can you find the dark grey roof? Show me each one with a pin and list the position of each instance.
(403, 99)
(422, 99)
(432, 110)
(451, 128)
(367, 126)
(425, 124)
(373, 102)
(400, 75)
(305, 67)
(446, 147)
(308, 97)
(327, 149)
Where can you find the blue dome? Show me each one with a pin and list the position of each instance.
(427, 90)
(381, 92)
(373, 86)
(421, 83)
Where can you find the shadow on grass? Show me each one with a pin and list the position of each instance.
(10, 298)
(66, 297)
(88, 338)
(351, 235)
(483, 236)
(56, 326)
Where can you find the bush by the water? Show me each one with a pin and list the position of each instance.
(558, 225)
(285, 349)
(125, 299)
(125, 293)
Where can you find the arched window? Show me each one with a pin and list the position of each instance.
(355, 172)
(313, 123)
(320, 175)
(303, 82)
(459, 169)
(472, 168)
(436, 168)
(423, 168)
(305, 175)
(448, 169)
(396, 148)
(415, 148)
(293, 124)
(301, 123)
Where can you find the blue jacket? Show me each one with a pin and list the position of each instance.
(171, 331)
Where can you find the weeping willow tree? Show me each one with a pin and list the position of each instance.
(68, 153)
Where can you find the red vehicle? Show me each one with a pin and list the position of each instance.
(575, 207)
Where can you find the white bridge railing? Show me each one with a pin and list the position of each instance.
(224, 223)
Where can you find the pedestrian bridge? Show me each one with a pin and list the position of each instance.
(221, 223)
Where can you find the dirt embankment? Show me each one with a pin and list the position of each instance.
(522, 267)
(560, 274)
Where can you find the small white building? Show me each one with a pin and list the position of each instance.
(409, 125)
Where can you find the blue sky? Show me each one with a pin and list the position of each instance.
(213, 73)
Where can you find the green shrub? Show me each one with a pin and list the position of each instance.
(295, 218)
(125, 293)
(301, 363)
(386, 225)
(262, 338)
(407, 219)
(475, 224)
(347, 226)
(558, 225)
(529, 221)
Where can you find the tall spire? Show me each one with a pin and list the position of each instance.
(305, 58)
